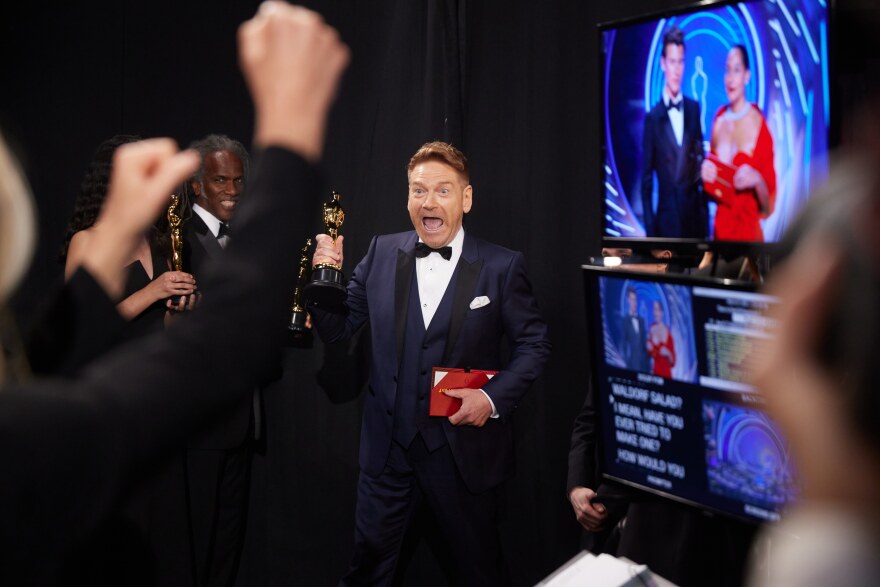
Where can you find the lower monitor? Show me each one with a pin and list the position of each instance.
(677, 416)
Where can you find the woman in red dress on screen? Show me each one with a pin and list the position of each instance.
(738, 174)
(661, 345)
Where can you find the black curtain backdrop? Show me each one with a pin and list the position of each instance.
(512, 83)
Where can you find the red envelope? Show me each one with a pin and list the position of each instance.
(722, 188)
(445, 378)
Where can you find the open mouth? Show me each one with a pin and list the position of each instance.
(432, 224)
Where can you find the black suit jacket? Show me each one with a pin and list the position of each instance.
(201, 251)
(583, 456)
(199, 246)
(72, 448)
(634, 345)
(682, 208)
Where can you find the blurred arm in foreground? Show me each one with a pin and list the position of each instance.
(76, 444)
(822, 384)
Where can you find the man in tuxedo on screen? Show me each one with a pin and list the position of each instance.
(634, 347)
(435, 296)
(672, 149)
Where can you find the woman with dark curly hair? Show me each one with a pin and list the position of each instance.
(150, 284)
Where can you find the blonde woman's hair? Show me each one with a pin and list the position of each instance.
(17, 240)
(17, 223)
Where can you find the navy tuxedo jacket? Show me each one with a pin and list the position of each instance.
(682, 208)
(379, 291)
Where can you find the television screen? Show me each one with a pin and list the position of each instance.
(716, 120)
(677, 415)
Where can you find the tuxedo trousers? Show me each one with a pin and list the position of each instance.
(218, 483)
(415, 478)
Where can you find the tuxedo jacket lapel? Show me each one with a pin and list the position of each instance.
(469, 266)
(668, 132)
(196, 251)
(692, 144)
(672, 143)
(205, 237)
(402, 284)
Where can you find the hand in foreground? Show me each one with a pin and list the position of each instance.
(326, 251)
(292, 62)
(144, 173)
(475, 407)
(802, 396)
(589, 515)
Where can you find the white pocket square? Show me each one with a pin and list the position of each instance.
(479, 302)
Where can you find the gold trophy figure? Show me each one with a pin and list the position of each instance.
(298, 314)
(175, 222)
(326, 287)
(334, 216)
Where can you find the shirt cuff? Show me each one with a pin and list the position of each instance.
(491, 403)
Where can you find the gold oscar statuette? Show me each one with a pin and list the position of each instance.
(326, 287)
(298, 314)
(175, 223)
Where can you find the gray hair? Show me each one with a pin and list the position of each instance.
(217, 142)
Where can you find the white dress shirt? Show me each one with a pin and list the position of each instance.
(213, 224)
(676, 115)
(433, 274)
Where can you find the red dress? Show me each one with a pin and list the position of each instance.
(662, 364)
(737, 218)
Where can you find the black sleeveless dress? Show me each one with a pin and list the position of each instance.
(152, 319)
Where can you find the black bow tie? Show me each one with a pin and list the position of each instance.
(675, 105)
(423, 250)
(224, 230)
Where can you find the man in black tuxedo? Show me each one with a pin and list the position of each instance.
(435, 296)
(635, 338)
(672, 148)
(217, 187)
(217, 461)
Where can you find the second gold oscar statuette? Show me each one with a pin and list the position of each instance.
(326, 287)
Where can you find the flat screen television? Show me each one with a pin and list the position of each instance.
(676, 415)
(749, 85)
